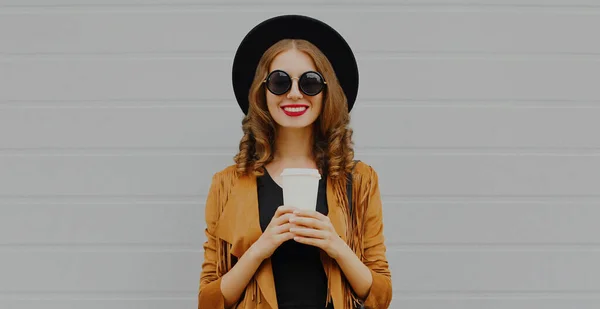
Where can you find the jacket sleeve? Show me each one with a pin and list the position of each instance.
(380, 294)
(210, 295)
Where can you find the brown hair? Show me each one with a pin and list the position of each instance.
(332, 148)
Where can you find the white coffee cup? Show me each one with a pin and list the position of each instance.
(300, 187)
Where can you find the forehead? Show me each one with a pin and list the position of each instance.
(293, 61)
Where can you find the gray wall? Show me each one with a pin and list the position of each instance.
(481, 118)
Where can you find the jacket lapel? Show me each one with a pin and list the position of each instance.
(336, 216)
(335, 213)
(239, 225)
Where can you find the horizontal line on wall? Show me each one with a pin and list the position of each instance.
(273, 6)
(102, 247)
(495, 294)
(493, 247)
(83, 200)
(391, 247)
(445, 200)
(474, 103)
(364, 55)
(370, 151)
(93, 198)
(214, 103)
(94, 295)
(477, 151)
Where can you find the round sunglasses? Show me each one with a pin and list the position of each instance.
(310, 83)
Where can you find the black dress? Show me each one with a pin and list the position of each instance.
(300, 280)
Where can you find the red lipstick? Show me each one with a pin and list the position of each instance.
(296, 110)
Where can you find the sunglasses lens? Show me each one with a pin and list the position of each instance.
(311, 83)
(279, 82)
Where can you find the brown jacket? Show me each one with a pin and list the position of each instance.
(232, 226)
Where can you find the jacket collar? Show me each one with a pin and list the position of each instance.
(239, 225)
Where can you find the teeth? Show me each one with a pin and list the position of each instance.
(294, 109)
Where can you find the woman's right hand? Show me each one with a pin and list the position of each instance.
(276, 233)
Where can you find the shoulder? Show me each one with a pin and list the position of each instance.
(363, 169)
(227, 172)
(224, 179)
(365, 176)
(220, 187)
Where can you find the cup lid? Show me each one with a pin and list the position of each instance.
(301, 172)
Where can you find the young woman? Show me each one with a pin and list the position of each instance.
(296, 79)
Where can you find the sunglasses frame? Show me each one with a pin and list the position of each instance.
(265, 81)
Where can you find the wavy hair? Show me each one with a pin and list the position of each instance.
(332, 146)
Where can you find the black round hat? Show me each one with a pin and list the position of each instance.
(271, 31)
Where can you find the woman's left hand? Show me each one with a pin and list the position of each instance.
(315, 229)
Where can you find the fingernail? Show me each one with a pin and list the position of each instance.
(296, 212)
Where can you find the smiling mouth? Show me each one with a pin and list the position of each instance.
(294, 110)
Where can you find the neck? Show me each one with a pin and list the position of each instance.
(293, 147)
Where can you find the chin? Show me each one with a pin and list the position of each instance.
(293, 124)
(299, 123)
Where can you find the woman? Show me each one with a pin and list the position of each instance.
(296, 80)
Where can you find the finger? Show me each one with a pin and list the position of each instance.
(310, 214)
(283, 209)
(284, 237)
(292, 225)
(310, 241)
(309, 222)
(282, 228)
(306, 232)
(285, 218)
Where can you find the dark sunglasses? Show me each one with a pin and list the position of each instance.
(310, 83)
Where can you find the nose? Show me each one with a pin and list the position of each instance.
(294, 93)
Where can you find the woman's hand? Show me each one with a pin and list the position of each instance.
(276, 233)
(313, 228)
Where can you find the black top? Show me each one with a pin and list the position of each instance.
(300, 280)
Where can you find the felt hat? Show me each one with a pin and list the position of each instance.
(274, 29)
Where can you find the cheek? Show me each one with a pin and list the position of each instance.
(271, 101)
(317, 104)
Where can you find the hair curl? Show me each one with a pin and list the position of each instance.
(332, 147)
